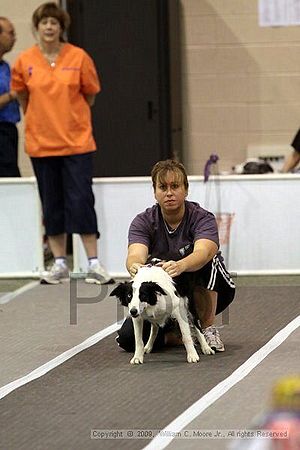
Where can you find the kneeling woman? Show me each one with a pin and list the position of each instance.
(185, 237)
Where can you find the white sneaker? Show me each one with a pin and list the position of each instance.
(213, 338)
(55, 275)
(98, 275)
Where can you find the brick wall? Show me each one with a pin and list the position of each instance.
(241, 82)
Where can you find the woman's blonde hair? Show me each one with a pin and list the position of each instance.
(161, 168)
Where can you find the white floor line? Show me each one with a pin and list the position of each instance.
(11, 295)
(42, 370)
(161, 442)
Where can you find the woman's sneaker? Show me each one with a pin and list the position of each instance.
(55, 275)
(98, 275)
(213, 338)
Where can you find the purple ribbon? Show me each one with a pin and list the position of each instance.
(212, 160)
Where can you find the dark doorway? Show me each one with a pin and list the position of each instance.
(129, 42)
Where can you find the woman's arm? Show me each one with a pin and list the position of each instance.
(90, 99)
(23, 97)
(136, 257)
(291, 161)
(7, 97)
(204, 251)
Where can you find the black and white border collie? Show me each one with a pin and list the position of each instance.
(152, 295)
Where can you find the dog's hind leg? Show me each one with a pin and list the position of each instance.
(181, 316)
(138, 357)
(205, 348)
(153, 333)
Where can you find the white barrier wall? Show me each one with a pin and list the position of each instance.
(117, 201)
(264, 238)
(21, 252)
(265, 232)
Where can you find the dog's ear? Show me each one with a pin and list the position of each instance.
(123, 292)
(148, 291)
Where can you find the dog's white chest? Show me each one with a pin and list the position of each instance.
(156, 316)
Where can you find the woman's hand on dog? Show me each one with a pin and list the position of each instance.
(134, 268)
(173, 268)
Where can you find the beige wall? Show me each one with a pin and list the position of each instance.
(240, 82)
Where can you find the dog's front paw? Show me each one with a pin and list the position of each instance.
(193, 357)
(148, 348)
(137, 360)
(206, 350)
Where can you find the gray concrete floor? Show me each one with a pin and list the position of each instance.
(36, 327)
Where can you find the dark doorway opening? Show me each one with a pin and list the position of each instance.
(129, 40)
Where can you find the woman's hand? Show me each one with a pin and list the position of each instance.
(134, 268)
(173, 268)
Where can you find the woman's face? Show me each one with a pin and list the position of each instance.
(49, 30)
(170, 193)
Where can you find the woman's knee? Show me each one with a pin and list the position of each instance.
(125, 338)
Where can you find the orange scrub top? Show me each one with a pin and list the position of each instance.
(58, 118)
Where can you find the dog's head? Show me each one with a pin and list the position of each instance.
(138, 296)
(123, 292)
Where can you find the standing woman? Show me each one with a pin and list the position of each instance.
(56, 84)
